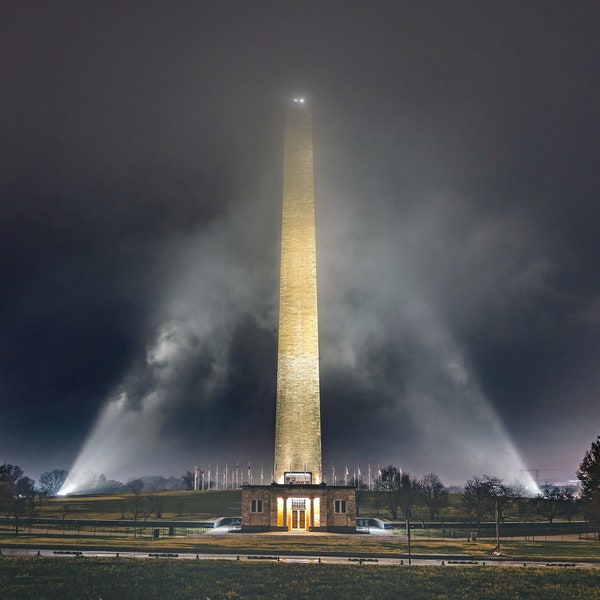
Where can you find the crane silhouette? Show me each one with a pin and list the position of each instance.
(537, 473)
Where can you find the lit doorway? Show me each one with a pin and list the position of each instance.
(298, 514)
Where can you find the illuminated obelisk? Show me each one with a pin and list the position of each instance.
(298, 417)
(298, 499)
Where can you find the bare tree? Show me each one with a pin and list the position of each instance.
(547, 504)
(9, 475)
(400, 489)
(188, 480)
(360, 486)
(570, 504)
(502, 498)
(434, 494)
(148, 507)
(388, 486)
(410, 490)
(17, 494)
(476, 499)
(136, 501)
(554, 501)
(52, 481)
(25, 487)
(522, 505)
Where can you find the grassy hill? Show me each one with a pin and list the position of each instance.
(170, 505)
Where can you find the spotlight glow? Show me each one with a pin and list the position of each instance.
(127, 432)
(432, 399)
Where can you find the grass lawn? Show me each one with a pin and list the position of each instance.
(182, 505)
(350, 545)
(108, 579)
(198, 506)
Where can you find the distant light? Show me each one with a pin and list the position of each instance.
(299, 100)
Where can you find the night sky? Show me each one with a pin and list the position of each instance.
(457, 174)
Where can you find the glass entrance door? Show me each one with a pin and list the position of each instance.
(298, 520)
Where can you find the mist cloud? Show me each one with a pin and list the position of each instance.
(456, 232)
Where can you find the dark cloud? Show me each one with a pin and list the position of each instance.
(456, 145)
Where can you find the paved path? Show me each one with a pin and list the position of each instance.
(359, 562)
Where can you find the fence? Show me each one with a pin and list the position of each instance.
(112, 528)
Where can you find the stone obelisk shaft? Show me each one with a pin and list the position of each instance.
(298, 417)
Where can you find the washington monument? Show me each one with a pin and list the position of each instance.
(298, 416)
(298, 499)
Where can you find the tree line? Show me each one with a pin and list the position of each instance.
(482, 496)
(488, 497)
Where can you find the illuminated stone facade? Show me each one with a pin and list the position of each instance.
(298, 508)
(298, 416)
(298, 500)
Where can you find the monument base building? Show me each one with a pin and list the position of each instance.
(298, 507)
